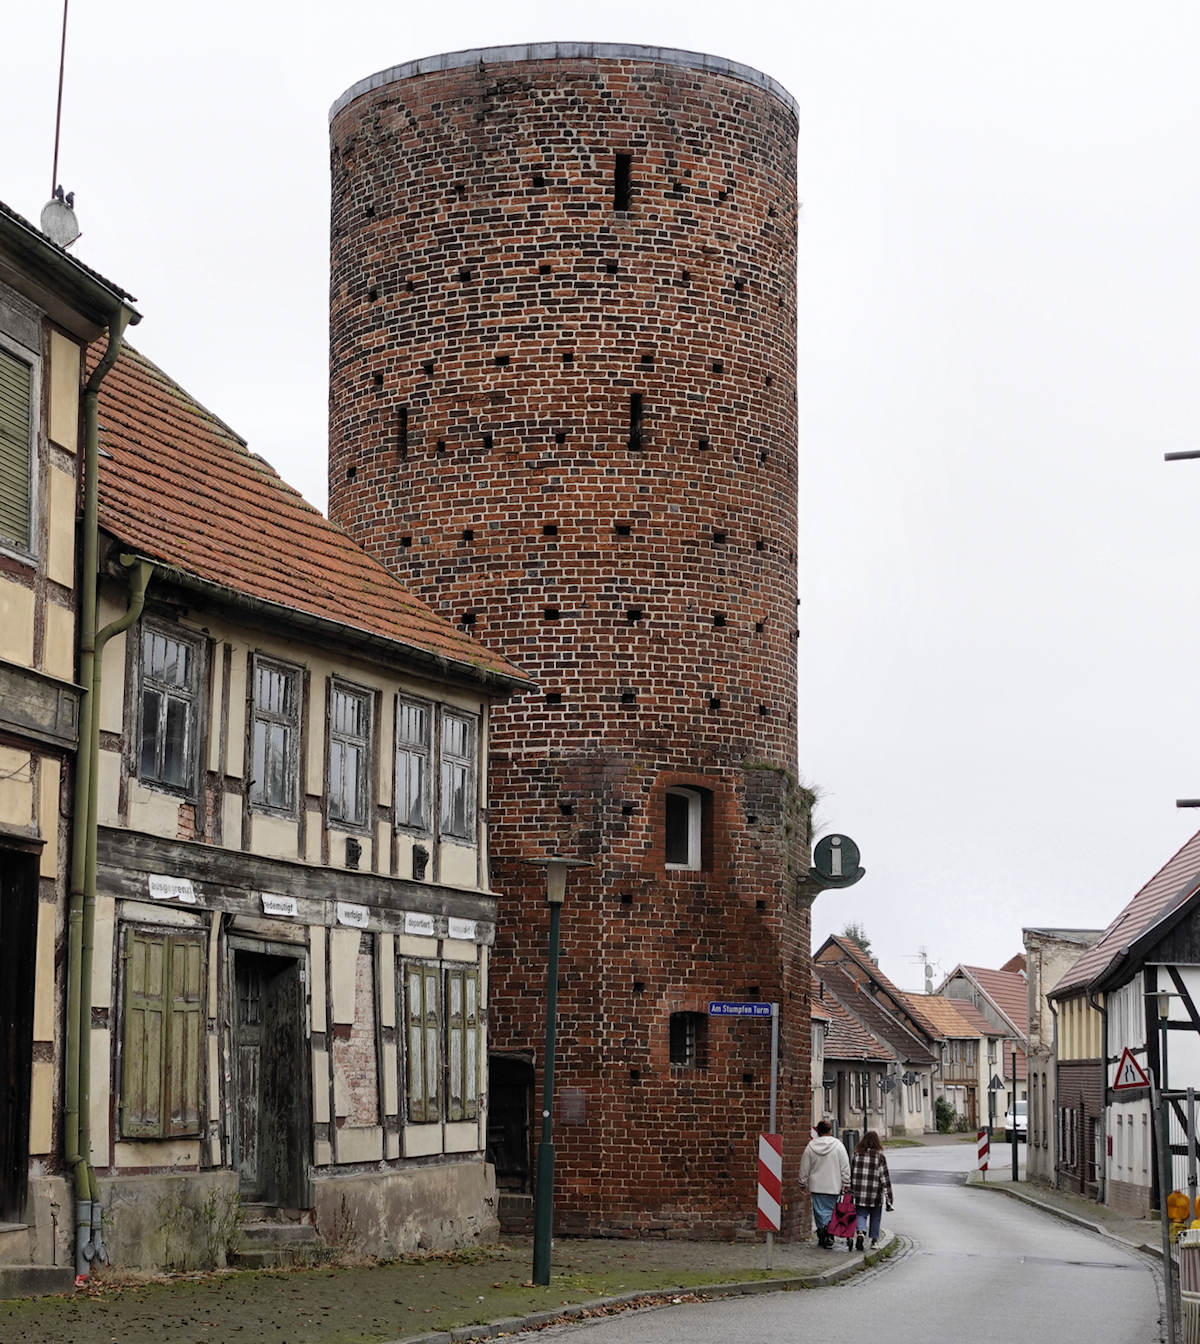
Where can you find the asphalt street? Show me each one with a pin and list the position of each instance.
(971, 1266)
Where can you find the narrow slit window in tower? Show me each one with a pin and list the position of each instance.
(402, 431)
(622, 185)
(635, 420)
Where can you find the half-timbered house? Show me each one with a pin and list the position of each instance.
(293, 913)
(1001, 997)
(51, 308)
(850, 978)
(1138, 989)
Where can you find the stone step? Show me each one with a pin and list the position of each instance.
(257, 1235)
(271, 1242)
(35, 1280)
(514, 1212)
(14, 1244)
(273, 1213)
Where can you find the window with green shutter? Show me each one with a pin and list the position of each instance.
(162, 1033)
(16, 448)
(462, 1043)
(424, 1040)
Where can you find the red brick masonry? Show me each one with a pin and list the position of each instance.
(567, 419)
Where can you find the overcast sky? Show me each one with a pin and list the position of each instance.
(999, 291)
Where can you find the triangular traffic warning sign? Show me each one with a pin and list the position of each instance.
(1130, 1074)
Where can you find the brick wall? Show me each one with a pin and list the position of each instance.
(572, 427)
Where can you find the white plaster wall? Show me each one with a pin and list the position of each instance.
(16, 623)
(60, 551)
(274, 837)
(16, 788)
(49, 821)
(58, 641)
(65, 388)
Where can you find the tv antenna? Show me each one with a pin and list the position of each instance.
(59, 223)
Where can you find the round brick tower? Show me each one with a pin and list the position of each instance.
(563, 410)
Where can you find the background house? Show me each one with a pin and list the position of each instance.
(1002, 999)
(962, 1078)
(869, 998)
(1049, 953)
(1108, 1002)
(857, 1075)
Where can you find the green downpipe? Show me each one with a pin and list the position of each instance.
(139, 579)
(85, 781)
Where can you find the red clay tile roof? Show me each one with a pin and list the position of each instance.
(179, 487)
(1179, 876)
(839, 949)
(1008, 990)
(873, 1016)
(845, 1038)
(945, 1014)
(976, 1019)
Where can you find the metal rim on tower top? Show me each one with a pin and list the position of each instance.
(566, 51)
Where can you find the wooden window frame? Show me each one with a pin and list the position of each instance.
(31, 359)
(291, 723)
(341, 739)
(162, 1035)
(468, 764)
(463, 1033)
(192, 696)
(406, 750)
(423, 1042)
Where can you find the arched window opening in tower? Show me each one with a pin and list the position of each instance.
(683, 816)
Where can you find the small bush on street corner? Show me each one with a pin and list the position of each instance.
(945, 1116)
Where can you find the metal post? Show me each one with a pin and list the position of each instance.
(543, 1218)
(1191, 1158)
(1161, 1137)
(774, 1096)
(1013, 1135)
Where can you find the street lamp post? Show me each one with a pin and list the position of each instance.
(543, 1217)
(1162, 1125)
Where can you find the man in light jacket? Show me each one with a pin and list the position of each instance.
(824, 1173)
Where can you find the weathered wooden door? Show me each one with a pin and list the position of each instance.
(272, 1121)
(509, 1136)
(18, 948)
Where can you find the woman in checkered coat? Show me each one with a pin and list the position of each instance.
(870, 1185)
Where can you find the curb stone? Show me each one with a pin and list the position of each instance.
(513, 1325)
(1066, 1216)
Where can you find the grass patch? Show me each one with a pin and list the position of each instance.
(902, 1143)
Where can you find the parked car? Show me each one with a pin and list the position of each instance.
(1017, 1119)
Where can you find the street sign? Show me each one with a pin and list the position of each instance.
(996, 1084)
(1130, 1074)
(835, 856)
(753, 1009)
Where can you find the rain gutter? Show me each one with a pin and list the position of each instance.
(81, 907)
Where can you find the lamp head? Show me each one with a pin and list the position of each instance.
(557, 866)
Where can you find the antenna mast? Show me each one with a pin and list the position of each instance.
(62, 65)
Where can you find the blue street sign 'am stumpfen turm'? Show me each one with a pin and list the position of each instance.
(739, 1010)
